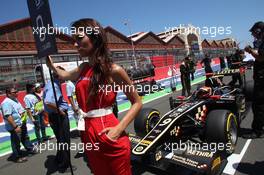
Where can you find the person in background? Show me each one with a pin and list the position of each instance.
(40, 108)
(236, 60)
(38, 90)
(207, 64)
(192, 66)
(35, 111)
(12, 112)
(228, 60)
(70, 90)
(222, 63)
(59, 122)
(185, 76)
(257, 32)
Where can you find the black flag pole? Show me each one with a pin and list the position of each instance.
(54, 91)
(41, 22)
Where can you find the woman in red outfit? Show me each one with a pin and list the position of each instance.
(102, 128)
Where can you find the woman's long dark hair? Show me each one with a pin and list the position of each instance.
(100, 57)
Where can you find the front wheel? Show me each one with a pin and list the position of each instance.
(222, 128)
(146, 121)
(248, 90)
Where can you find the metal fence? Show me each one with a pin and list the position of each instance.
(19, 70)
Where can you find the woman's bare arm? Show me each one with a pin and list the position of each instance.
(72, 75)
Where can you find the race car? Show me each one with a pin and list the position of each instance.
(210, 116)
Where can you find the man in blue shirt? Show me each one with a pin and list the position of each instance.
(59, 122)
(31, 100)
(13, 111)
(70, 90)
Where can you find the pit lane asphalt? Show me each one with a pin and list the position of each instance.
(252, 162)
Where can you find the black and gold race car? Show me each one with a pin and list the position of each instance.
(198, 133)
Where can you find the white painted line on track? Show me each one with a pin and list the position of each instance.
(235, 159)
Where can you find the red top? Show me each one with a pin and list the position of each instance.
(101, 100)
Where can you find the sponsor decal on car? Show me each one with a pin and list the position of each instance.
(201, 113)
(228, 71)
(200, 153)
(216, 162)
(175, 131)
(145, 142)
(134, 140)
(185, 161)
(158, 156)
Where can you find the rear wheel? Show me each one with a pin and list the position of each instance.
(244, 82)
(146, 121)
(248, 90)
(241, 107)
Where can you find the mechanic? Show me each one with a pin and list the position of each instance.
(99, 124)
(13, 111)
(257, 32)
(185, 76)
(59, 122)
(236, 60)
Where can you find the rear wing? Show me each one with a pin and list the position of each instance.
(226, 72)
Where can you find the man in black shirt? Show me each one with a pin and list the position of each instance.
(192, 66)
(185, 77)
(236, 60)
(258, 103)
(222, 63)
(207, 64)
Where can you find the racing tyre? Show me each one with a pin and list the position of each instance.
(241, 107)
(244, 82)
(222, 128)
(248, 90)
(146, 120)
